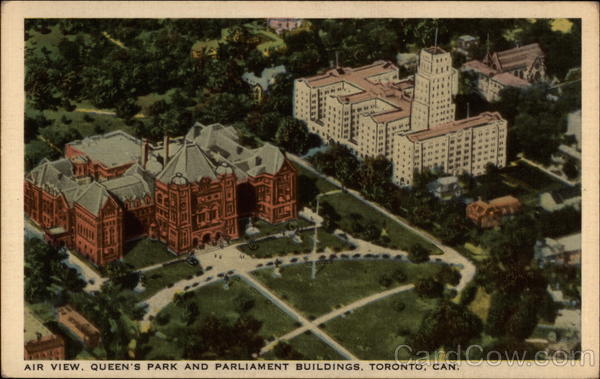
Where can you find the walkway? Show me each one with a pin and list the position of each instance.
(313, 326)
(540, 167)
(308, 325)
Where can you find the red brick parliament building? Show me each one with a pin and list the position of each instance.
(113, 188)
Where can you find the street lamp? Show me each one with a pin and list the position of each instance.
(313, 272)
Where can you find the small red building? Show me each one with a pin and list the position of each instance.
(79, 326)
(489, 215)
(40, 342)
(113, 188)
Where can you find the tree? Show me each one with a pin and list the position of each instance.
(330, 217)
(244, 303)
(47, 277)
(448, 275)
(285, 351)
(448, 326)
(127, 108)
(418, 254)
(37, 150)
(292, 135)
(216, 339)
(570, 169)
(427, 287)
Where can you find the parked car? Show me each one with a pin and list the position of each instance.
(294, 260)
(209, 278)
(191, 260)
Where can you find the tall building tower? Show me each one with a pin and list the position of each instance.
(435, 83)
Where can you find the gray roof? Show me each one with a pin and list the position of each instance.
(128, 187)
(189, 162)
(266, 76)
(93, 197)
(34, 327)
(221, 143)
(265, 159)
(111, 149)
(53, 176)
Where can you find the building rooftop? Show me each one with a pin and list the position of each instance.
(479, 66)
(435, 50)
(571, 242)
(522, 56)
(505, 201)
(508, 79)
(111, 149)
(77, 320)
(92, 197)
(129, 187)
(34, 328)
(56, 175)
(189, 164)
(454, 126)
(266, 77)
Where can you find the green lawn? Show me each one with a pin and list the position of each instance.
(145, 252)
(308, 178)
(160, 278)
(311, 347)
(531, 178)
(349, 208)
(337, 283)
(214, 300)
(374, 331)
(273, 247)
(147, 100)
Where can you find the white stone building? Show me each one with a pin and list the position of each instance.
(373, 112)
(455, 147)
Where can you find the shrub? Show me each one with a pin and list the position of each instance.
(403, 331)
(399, 306)
(162, 318)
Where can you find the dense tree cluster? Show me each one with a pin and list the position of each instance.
(47, 276)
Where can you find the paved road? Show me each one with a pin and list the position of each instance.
(313, 326)
(92, 278)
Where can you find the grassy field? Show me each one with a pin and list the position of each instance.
(160, 278)
(348, 207)
(321, 184)
(214, 300)
(530, 178)
(282, 246)
(311, 348)
(481, 304)
(337, 283)
(374, 331)
(145, 252)
(268, 39)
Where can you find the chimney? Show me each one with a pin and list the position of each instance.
(144, 156)
(166, 147)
